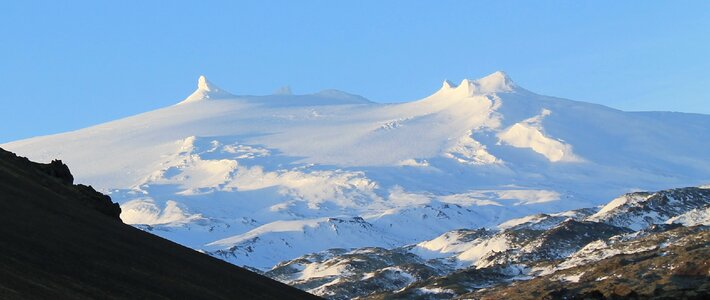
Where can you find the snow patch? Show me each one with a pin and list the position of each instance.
(446, 245)
(618, 202)
(316, 270)
(414, 163)
(434, 290)
(146, 212)
(515, 222)
(530, 134)
(389, 125)
(499, 243)
(466, 150)
(529, 196)
(697, 216)
(569, 278)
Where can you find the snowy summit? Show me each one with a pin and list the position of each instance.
(206, 90)
(498, 82)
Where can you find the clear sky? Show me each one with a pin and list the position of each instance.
(65, 65)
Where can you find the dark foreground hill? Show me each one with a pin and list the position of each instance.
(64, 241)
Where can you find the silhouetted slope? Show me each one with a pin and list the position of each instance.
(59, 240)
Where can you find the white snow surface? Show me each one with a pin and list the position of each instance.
(261, 179)
(530, 134)
(693, 217)
(570, 278)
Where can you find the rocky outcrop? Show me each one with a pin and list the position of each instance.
(57, 176)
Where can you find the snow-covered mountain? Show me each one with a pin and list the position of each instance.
(257, 180)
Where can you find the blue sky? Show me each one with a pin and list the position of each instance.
(65, 66)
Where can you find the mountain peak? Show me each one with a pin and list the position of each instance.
(494, 83)
(448, 85)
(204, 84)
(497, 75)
(497, 82)
(206, 90)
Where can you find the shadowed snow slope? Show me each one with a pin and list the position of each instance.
(226, 173)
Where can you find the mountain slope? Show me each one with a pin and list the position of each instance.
(556, 247)
(238, 176)
(65, 241)
(677, 271)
